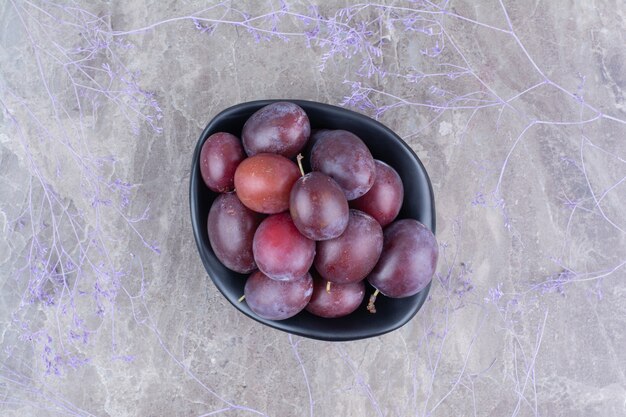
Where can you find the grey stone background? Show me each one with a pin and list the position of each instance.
(516, 109)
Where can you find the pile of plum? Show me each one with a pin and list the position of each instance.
(310, 240)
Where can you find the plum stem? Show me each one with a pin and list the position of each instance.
(243, 297)
(370, 306)
(328, 287)
(300, 158)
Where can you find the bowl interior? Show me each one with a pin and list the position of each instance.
(418, 204)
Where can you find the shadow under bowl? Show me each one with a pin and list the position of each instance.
(384, 145)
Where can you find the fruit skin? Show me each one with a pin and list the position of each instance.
(351, 256)
(277, 300)
(408, 260)
(345, 158)
(341, 300)
(263, 182)
(231, 227)
(384, 200)
(318, 207)
(282, 128)
(280, 250)
(220, 155)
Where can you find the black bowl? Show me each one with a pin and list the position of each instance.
(418, 204)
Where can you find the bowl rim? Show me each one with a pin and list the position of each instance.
(230, 112)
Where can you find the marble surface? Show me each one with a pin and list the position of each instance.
(516, 108)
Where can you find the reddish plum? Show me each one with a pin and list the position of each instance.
(280, 250)
(277, 300)
(337, 301)
(408, 260)
(220, 155)
(282, 128)
(318, 207)
(352, 255)
(231, 227)
(384, 200)
(344, 157)
(263, 182)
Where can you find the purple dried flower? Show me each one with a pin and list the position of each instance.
(495, 294)
(556, 282)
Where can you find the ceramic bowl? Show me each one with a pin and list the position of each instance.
(384, 145)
